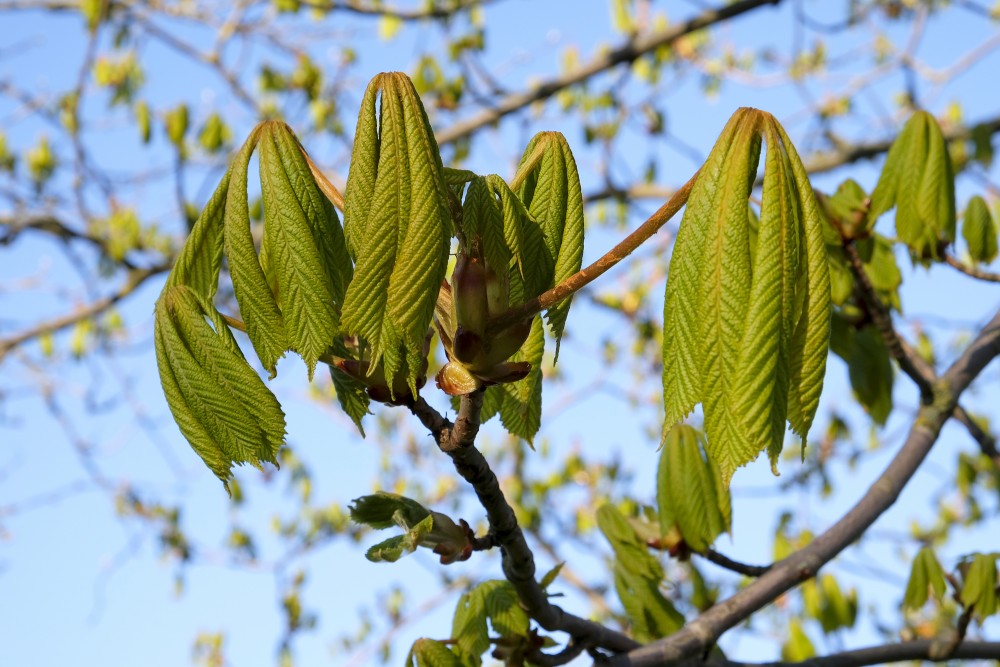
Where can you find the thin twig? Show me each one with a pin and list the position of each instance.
(972, 271)
(625, 53)
(908, 361)
(328, 188)
(588, 274)
(728, 563)
(987, 443)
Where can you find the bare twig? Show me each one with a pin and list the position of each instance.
(136, 277)
(803, 564)
(728, 563)
(972, 271)
(590, 273)
(624, 53)
(987, 443)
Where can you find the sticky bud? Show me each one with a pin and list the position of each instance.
(455, 379)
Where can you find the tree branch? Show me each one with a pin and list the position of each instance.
(909, 362)
(728, 563)
(586, 275)
(987, 443)
(136, 277)
(624, 53)
(972, 271)
(926, 649)
(695, 637)
(457, 441)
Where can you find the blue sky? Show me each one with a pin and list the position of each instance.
(82, 586)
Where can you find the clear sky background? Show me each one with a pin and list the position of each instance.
(82, 586)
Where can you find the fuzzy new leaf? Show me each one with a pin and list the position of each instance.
(918, 180)
(926, 578)
(550, 189)
(397, 226)
(430, 653)
(690, 493)
(222, 406)
(746, 337)
(979, 231)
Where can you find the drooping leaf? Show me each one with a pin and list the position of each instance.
(979, 231)
(494, 600)
(551, 192)
(469, 629)
(979, 591)
(397, 226)
(350, 391)
(637, 579)
(521, 409)
(747, 339)
(926, 579)
(869, 366)
(533, 263)
(310, 257)
(222, 406)
(918, 180)
(690, 493)
(258, 304)
(652, 615)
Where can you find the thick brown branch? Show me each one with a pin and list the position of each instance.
(518, 562)
(588, 274)
(695, 637)
(622, 54)
(876, 655)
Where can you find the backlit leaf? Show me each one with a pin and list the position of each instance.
(551, 192)
(397, 226)
(926, 578)
(747, 339)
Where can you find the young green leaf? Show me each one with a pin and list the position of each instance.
(307, 252)
(798, 646)
(258, 303)
(550, 189)
(380, 510)
(979, 231)
(521, 408)
(926, 578)
(747, 339)
(918, 180)
(495, 600)
(637, 578)
(979, 591)
(869, 366)
(222, 406)
(350, 391)
(397, 226)
(690, 493)
(430, 653)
